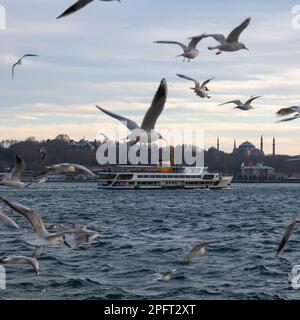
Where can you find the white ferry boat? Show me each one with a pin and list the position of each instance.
(174, 177)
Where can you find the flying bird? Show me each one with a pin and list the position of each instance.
(5, 220)
(45, 238)
(21, 260)
(243, 106)
(201, 90)
(79, 234)
(231, 43)
(145, 133)
(190, 51)
(197, 251)
(43, 152)
(14, 179)
(287, 111)
(19, 63)
(63, 168)
(77, 6)
(286, 237)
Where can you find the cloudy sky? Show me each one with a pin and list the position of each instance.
(105, 55)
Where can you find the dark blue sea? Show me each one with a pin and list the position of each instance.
(140, 232)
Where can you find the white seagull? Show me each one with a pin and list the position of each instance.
(190, 51)
(14, 180)
(165, 277)
(77, 6)
(21, 260)
(44, 237)
(79, 234)
(19, 63)
(197, 251)
(287, 111)
(243, 106)
(286, 237)
(231, 43)
(5, 220)
(63, 168)
(201, 90)
(145, 133)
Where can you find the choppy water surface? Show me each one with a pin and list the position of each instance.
(140, 231)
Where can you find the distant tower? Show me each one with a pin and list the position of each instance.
(218, 144)
(262, 144)
(274, 147)
(234, 145)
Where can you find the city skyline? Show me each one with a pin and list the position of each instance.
(57, 92)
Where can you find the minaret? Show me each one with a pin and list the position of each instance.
(218, 144)
(274, 147)
(234, 146)
(262, 144)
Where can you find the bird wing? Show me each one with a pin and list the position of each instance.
(29, 55)
(131, 125)
(82, 168)
(218, 37)
(182, 45)
(197, 83)
(18, 169)
(235, 33)
(195, 40)
(43, 173)
(75, 7)
(290, 119)
(4, 219)
(237, 102)
(286, 238)
(13, 70)
(252, 99)
(204, 245)
(287, 111)
(205, 83)
(33, 217)
(156, 107)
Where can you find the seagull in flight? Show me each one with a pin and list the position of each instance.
(201, 90)
(21, 260)
(243, 106)
(14, 179)
(63, 168)
(231, 43)
(287, 111)
(77, 6)
(197, 251)
(286, 237)
(45, 238)
(19, 63)
(190, 51)
(145, 133)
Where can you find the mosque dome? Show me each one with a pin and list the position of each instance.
(247, 145)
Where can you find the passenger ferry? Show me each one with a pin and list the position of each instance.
(149, 177)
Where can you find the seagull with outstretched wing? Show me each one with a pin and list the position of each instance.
(145, 133)
(200, 89)
(231, 43)
(242, 106)
(19, 63)
(14, 180)
(190, 51)
(288, 111)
